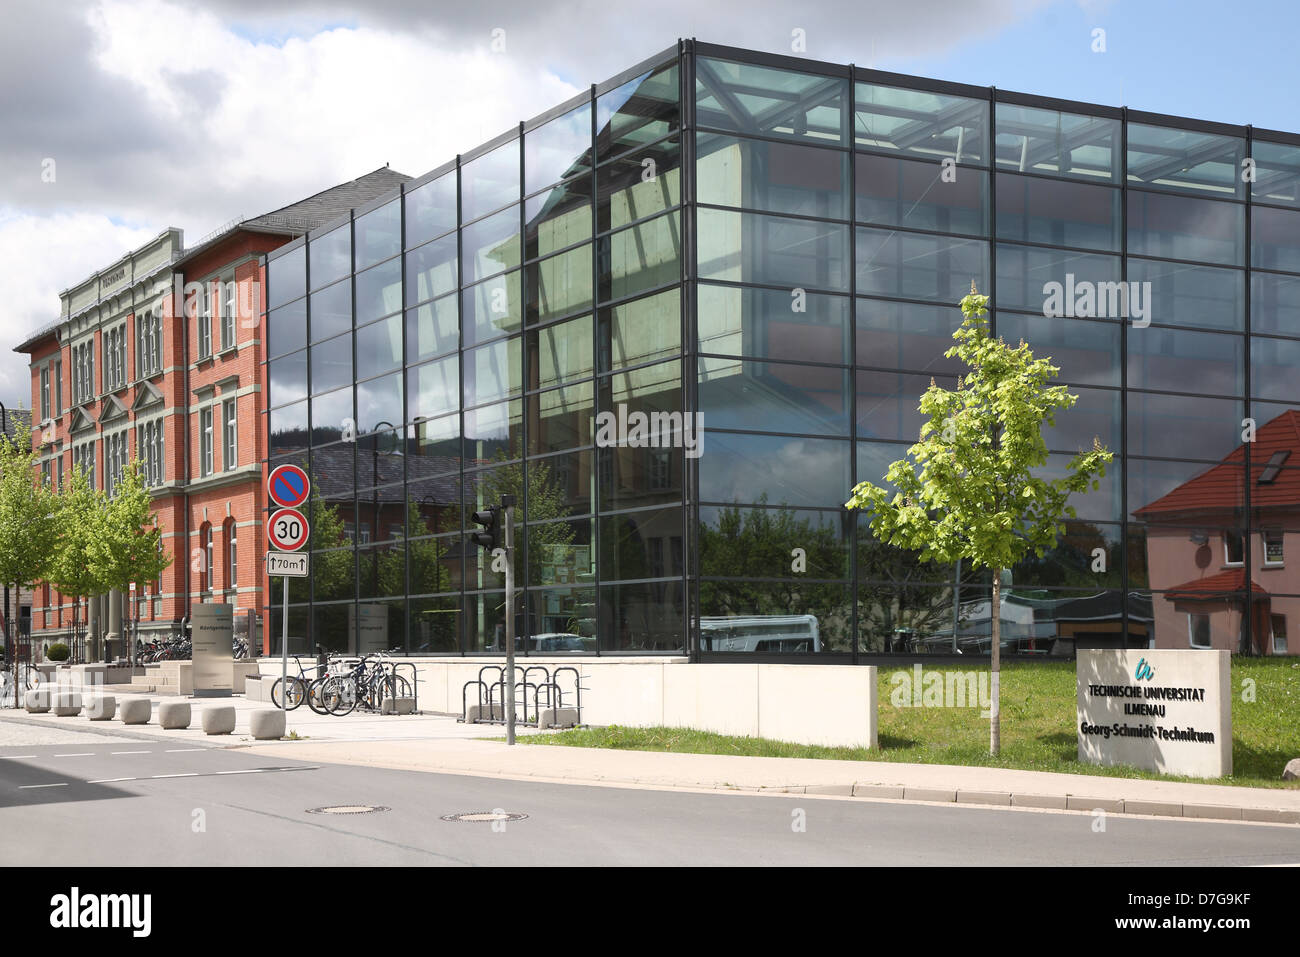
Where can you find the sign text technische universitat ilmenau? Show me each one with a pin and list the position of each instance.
(1160, 709)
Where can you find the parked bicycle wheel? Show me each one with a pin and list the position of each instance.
(297, 692)
(339, 695)
(391, 686)
(315, 696)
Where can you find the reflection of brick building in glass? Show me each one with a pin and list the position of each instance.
(1199, 549)
(159, 358)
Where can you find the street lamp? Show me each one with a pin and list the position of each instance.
(374, 480)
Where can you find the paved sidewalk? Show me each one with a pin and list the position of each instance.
(864, 779)
(356, 727)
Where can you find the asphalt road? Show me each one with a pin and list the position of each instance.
(130, 802)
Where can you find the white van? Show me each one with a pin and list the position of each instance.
(784, 633)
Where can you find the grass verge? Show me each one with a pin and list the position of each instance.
(1038, 728)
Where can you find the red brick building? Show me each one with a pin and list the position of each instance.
(159, 357)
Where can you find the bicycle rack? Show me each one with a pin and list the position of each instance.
(491, 694)
(415, 683)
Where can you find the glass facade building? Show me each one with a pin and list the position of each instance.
(775, 247)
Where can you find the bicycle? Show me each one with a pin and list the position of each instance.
(366, 686)
(28, 676)
(304, 687)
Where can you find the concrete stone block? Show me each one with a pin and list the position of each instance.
(1292, 770)
(101, 707)
(1220, 812)
(174, 714)
(398, 706)
(65, 704)
(1155, 808)
(842, 790)
(136, 710)
(888, 791)
(930, 794)
(984, 797)
(218, 719)
(1270, 815)
(1055, 802)
(37, 701)
(1076, 803)
(557, 718)
(266, 724)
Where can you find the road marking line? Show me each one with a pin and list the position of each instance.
(80, 754)
(130, 752)
(29, 787)
(183, 750)
(109, 780)
(246, 771)
(15, 757)
(187, 774)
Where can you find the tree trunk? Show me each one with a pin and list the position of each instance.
(995, 716)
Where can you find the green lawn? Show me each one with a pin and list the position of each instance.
(1038, 728)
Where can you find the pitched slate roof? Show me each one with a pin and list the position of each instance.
(17, 424)
(328, 205)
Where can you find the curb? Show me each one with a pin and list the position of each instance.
(1049, 802)
(1054, 802)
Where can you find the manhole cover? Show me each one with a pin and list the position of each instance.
(484, 817)
(347, 809)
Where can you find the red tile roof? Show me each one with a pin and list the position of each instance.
(1221, 487)
(1214, 588)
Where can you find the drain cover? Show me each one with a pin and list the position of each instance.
(484, 817)
(347, 809)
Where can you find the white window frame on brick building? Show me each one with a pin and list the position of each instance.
(83, 455)
(149, 449)
(115, 357)
(229, 434)
(148, 353)
(203, 322)
(229, 309)
(205, 441)
(232, 554)
(45, 392)
(83, 375)
(116, 454)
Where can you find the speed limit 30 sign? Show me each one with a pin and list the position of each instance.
(287, 530)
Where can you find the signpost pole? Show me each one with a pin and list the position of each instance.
(284, 650)
(508, 506)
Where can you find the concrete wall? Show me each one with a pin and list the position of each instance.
(808, 704)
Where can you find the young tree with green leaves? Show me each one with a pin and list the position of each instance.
(129, 545)
(29, 519)
(969, 490)
(72, 569)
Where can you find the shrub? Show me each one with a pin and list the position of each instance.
(57, 652)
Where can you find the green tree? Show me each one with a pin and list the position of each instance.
(969, 490)
(72, 569)
(743, 544)
(546, 499)
(332, 572)
(29, 519)
(129, 545)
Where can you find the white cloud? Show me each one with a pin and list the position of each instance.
(43, 255)
(184, 113)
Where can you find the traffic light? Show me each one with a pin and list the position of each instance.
(490, 537)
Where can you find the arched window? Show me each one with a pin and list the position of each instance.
(232, 554)
(205, 562)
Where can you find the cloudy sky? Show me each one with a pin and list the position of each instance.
(191, 113)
